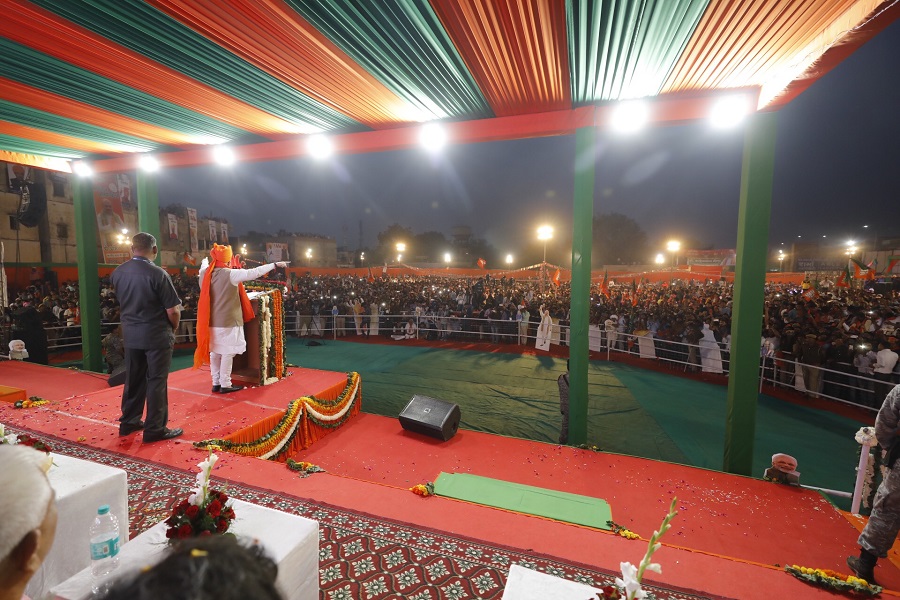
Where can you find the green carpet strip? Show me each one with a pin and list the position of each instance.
(525, 499)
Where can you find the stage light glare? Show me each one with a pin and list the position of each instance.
(224, 156)
(729, 111)
(630, 116)
(82, 169)
(319, 146)
(660, 259)
(433, 137)
(149, 163)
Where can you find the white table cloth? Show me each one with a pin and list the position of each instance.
(81, 488)
(526, 584)
(291, 541)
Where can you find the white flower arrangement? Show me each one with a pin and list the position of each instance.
(866, 436)
(198, 497)
(6, 438)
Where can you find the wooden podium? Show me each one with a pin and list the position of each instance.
(247, 367)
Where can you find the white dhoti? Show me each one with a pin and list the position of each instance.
(224, 343)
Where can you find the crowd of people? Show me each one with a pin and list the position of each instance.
(823, 336)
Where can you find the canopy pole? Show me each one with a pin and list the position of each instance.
(749, 283)
(580, 304)
(88, 278)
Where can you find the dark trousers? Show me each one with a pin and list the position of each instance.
(146, 379)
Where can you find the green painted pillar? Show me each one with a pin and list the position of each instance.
(579, 314)
(88, 278)
(749, 281)
(148, 205)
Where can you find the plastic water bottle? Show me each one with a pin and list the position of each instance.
(104, 549)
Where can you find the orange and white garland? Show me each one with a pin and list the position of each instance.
(324, 413)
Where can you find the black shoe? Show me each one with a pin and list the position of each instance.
(862, 569)
(234, 388)
(129, 428)
(216, 388)
(165, 434)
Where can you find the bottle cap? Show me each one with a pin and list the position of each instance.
(103, 509)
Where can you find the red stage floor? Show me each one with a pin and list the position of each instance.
(731, 537)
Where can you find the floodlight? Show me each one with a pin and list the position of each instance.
(729, 111)
(149, 163)
(82, 169)
(630, 116)
(433, 137)
(224, 155)
(319, 146)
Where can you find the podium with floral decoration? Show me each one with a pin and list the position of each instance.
(263, 363)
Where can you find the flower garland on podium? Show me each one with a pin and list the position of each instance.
(272, 366)
(300, 413)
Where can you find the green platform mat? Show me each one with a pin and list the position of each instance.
(527, 499)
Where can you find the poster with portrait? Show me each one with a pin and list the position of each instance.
(224, 230)
(192, 230)
(125, 195)
(16, 175)
(276, 252)
(173, 226)
(213, 238)
(112, 232)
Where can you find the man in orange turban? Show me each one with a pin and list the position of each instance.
(221, 312)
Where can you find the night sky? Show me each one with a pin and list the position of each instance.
(835, 171)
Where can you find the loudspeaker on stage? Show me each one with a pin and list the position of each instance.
(430, 416)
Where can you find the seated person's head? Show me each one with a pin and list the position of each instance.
(784, 463)
(214, 567)
(28, 520)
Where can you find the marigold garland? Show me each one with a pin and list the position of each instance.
(304, 468)
(32, 402)
(621, 531)
(328, 414)
(832, 580)
(423, 489)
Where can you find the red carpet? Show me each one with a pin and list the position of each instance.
(730, 537)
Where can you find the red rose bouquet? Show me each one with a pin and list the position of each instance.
(205, 512)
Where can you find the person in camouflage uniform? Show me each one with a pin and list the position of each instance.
(884, 523)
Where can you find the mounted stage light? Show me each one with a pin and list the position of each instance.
(149, 163)
(729, 111)
(224, 156)
(433, 137)
(82, 169)
(319, 146)
(630, 116)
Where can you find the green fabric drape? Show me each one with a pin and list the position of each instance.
(403, 44)
(148, 31)
(626, 49)
(44, 72)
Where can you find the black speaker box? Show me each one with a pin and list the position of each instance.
(117, 378)
(430, 416)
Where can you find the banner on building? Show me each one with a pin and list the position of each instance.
(115, 243)
(276, 252)
(212, 232)
(711, 258)
(173, 226)
(192, 230)
(224, 228)
(17, 175)
(125, 197)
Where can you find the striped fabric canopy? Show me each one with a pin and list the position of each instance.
(105, 78)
